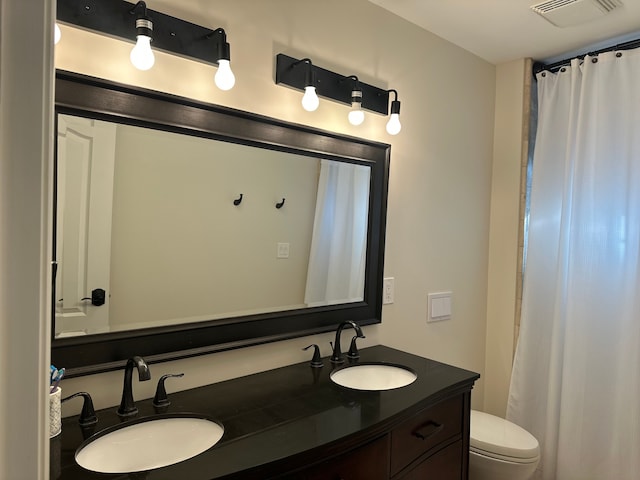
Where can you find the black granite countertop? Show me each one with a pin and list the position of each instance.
(276, 420)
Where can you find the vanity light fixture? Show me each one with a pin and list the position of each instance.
(169, 34)
(142, 56)
(310, 101)
(347, 90)
(356, 114)
(224, 78)
(393, 125)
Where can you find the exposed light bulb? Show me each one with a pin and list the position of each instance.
(356, 114)
(310, 100)
(57, 34)
(142, 56)
(224, 78)
(393, 125)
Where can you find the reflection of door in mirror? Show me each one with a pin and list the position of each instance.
(85, 166)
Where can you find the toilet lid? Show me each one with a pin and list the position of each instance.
(497, 436)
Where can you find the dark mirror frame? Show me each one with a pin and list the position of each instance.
(85, 96)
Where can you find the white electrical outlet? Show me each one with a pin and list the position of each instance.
(387, 290)
(283, 250)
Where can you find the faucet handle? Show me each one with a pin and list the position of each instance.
(316, 361)
(88, 414)
(161, 399)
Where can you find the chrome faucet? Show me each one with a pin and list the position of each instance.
(337, 353)
(127, 407)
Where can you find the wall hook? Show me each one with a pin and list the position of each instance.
(280, 204)
(238, 201)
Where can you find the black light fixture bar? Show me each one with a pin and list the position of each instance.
(290, 72)
(116, 18)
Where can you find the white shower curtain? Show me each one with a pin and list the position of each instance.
(339, 243)
(576, 375)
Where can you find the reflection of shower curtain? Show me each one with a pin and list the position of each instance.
(338, 247)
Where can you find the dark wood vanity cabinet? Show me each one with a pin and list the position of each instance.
(443, 465)
(295, 423)
(431, 444)
(368, 462)
(416, 443)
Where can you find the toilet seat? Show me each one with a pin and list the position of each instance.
(498, 438)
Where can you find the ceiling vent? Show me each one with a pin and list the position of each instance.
(567, 13)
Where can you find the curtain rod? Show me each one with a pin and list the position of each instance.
(554, 67)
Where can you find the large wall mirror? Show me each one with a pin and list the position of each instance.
(184, 228)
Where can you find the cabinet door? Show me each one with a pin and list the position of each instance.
(444, 465)
(426, 431)
(369, 462)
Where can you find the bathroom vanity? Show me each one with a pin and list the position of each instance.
(294, 422)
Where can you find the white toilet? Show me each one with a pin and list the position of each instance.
(500, 450)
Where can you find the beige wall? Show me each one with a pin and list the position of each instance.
(504, 255)
(440, 185)
(182, 250)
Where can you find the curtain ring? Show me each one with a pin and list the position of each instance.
(618, 54)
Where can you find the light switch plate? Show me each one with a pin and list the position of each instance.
(283, 250)
(439, 306)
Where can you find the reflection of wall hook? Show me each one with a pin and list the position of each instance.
(238, 201)
(280, 204)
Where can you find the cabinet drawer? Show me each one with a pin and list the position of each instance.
(443, 465)
(424, 431)
(369, 462)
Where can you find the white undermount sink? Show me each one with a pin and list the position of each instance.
(373, 376)
(149, 443)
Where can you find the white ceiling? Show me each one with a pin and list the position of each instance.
(504, 30)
